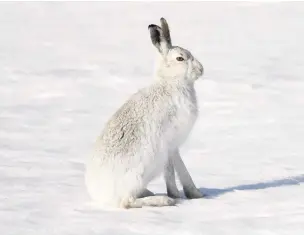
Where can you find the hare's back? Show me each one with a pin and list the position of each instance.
(136, 123)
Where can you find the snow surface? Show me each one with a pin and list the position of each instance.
(66, 67)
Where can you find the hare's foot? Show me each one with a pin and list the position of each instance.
(173, 192)
(153, 201)
(193, 193)
(146, 193)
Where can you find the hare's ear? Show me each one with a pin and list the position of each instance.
(158, 39)
(166, 31)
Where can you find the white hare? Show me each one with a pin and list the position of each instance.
(143, 137)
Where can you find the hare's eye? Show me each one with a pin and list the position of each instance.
(179, 58)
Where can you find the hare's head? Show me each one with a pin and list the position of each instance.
(176, 62)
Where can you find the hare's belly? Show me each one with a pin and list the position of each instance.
(154, 157)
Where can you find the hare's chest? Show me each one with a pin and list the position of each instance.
(183, 121)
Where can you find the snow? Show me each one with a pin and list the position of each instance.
(66, 67)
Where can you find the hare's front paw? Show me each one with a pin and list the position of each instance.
(173, 193)
(193, 193)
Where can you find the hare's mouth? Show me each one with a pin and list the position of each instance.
(199, 72)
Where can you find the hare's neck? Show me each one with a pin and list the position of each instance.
(178, 81)
(184, 90)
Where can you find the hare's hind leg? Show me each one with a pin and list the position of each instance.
(153, 201)
(146, 193)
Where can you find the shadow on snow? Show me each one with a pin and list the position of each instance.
(215, 192)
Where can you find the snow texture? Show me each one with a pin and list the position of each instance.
(66, 67)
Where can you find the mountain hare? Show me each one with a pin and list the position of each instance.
(143, 137)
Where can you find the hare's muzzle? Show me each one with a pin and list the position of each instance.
(198, 67)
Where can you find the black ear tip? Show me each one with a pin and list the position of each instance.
(151, 26)
(163, 20)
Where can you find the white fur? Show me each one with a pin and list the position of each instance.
(138, 140)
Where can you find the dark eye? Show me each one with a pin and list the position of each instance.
(179, 58)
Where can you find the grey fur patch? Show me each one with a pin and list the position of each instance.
(124, 132)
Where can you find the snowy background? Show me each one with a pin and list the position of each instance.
(66, 67)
